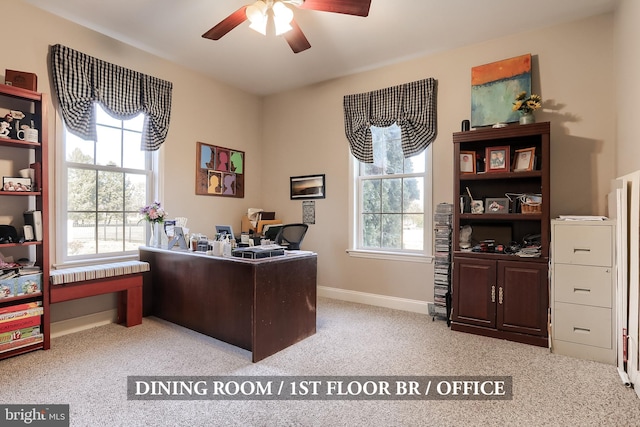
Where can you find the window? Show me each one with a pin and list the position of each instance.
(391, 198)
(103, 185)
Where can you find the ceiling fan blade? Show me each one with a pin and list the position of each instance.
(296, 38)
(227, 24)
(348, 7)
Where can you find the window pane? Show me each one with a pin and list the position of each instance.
(413, 195)
(371, 230)
(134, 157)
(103, 118)
(415, 164)
(134, 232)
(392, 195)
(78, 150)
(395, 158)
(110, 232)
(135, 123)
(110, 191)
(135, 192)
(392, 231)
(413, 232)
(371, 196)
(82, 189)
(109, 147)
(81, 236)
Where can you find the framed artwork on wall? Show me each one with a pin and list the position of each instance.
(219, 171)
(308, 187)
(494, 88)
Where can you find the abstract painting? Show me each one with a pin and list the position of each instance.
(494, 88)
(219, 171)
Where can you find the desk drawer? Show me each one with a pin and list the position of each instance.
(583, 245)
(582, 324)
(586, 285)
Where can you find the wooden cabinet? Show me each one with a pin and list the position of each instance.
(583, 289)
(16, 154)
(499, 291)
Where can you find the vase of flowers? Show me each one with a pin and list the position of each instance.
(154, 214)
(526, 106)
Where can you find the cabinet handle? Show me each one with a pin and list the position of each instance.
(581, 330)
(500, 295)
(493, 293)
(581, 250)
(581, 290)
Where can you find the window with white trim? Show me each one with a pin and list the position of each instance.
(102, 186)
(392, 197)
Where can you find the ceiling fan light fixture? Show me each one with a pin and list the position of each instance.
(257, 15)
(282, 17)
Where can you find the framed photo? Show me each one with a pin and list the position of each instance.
(523, 159)
(467, 162)
(497, 205)
(497, 159)
(16, 184)
(308, 187)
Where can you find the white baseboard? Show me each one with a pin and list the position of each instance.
(81, 323)
(414, 306)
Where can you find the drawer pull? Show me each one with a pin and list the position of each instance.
(581, 330)
(581, 290)
(581, 250)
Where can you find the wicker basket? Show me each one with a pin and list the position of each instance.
(530, 204)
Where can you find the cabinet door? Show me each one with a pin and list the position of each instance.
(522, 297)
(474, 292)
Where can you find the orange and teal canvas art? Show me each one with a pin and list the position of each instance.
(494, 88)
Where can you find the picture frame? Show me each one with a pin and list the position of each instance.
(307, 187)
(468, 162)
(497, 159)
(219, 171)
(497, 205)
(524, 159)
(12, 184)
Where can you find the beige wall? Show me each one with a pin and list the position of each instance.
(301, 132)
(628, 86)
(304, 134)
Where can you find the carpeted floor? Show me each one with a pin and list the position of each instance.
(88, 370)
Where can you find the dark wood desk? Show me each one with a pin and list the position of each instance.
(261, 305)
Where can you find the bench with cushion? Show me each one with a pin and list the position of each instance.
(123, 277)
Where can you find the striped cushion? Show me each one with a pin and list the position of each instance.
(101, 271)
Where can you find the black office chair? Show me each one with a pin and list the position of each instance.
(291, 235)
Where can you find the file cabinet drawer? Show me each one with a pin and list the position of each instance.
(582, 324)
(583, 245)
(586, 285)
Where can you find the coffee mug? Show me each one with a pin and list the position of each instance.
(29, 134)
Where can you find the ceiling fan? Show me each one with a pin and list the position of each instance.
(258, 14)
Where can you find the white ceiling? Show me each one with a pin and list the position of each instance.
(395, 30)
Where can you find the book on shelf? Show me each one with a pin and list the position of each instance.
(20, 324)
(22, 342)
(20, 314)
(19, 307)
(6, 337)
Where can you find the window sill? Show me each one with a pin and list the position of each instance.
(390, 256)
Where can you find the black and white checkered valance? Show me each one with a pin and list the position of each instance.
(80, 80)
(411, 105)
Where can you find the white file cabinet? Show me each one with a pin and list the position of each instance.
(583, 289)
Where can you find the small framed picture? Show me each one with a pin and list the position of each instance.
(523, 160)
(497, 159)
(477, 207)
(467, 162)
(497, 205)
(16, 184)
(308, 187)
